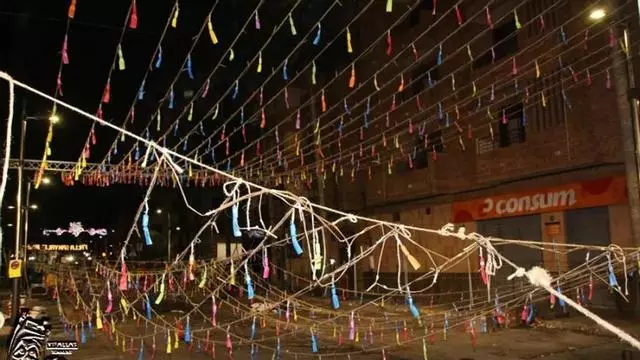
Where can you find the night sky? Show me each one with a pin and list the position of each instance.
(33, 32)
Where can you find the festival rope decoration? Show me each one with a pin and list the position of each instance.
(303, 229)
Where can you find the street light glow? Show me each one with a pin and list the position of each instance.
(46, 180)
(158, 211)
(54, 119)
(11, 207)
(33, 206)
(597, 14)
(177, 228)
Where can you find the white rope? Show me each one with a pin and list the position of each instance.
(7, 150)
(540, 277)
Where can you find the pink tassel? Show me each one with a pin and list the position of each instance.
(265, 266)
(214, 311)
(123, 276)
(133, 20)
(65, 54)
(59, 84)
(106, 96)
(458, 15)
(109, 299)
(206, 89)
(389, 44)
(489, 21)
(229, 344)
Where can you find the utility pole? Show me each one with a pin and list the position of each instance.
(15, 296)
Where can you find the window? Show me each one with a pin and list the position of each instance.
(423, 75)
(511, 131)
(505, 43)
(434, 141)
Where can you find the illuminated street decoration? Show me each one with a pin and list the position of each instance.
(58, 247)
(75, 229)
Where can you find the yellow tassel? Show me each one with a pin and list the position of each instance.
(113, 326)
(349, 47)
(537, 70)
(121, 64)
(401, 87)
(259, 62)
(177, 341)
(389, 7)
(544, 99)
(190, 116)
(174, 21)
(98, 318)
(313, 73)
(474, 89)
(212, 34)
(469, 52)
(168, 343)
(375, 81)
(292, 25)
(232, 55)
(412, 260)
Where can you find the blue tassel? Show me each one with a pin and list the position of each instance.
(159, 58)
(171, 98)
(235, 91)
(148, 309)
(440, 112)
(141, 353)
(184, 145)
(314, 344)
(187, 332)
(334, 297)
(294, 238)
(346, 108)
(285, 75)
(234, 221)
(414, 310)
(563, 35)
(253, 330)
(141, 91)
(91, 329)
(531, 316)
(613, 281)
(278, 348)
(440, 55)
(145, 230)
(316, 39)
(83, 335)
(228, 165)
(189, 69)
(429, 80)
(250, 292)
(560, 301)
(175, 129)
(115, 150)
(136, 155)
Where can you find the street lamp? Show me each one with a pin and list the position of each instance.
(158, 211)
(597, 14)
(11, 207)
(33, 206)
(46, 180)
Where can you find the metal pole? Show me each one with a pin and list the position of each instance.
(169, 237)
(26, 221)
(15, 296)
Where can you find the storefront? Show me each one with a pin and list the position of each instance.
(578, 213)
